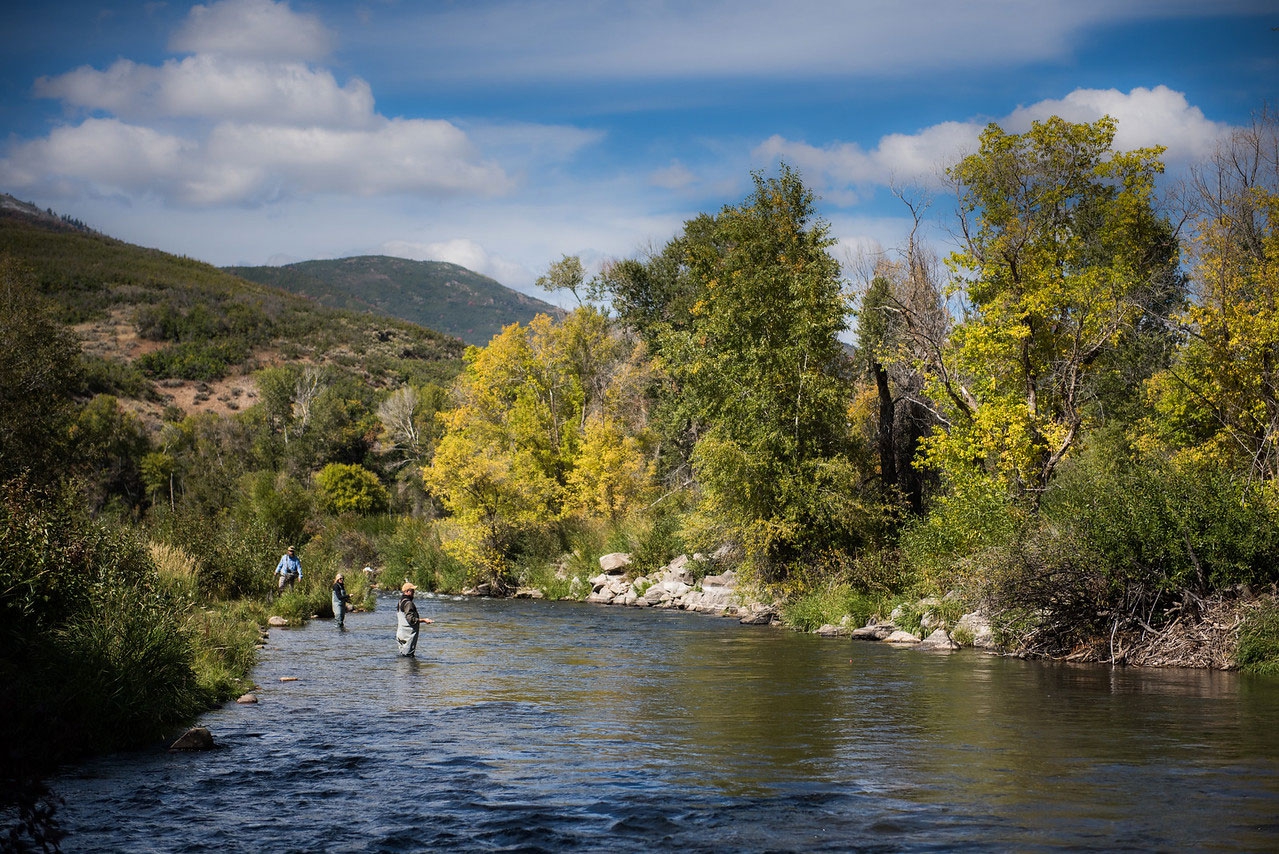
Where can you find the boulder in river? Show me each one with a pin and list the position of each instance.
(874, 631)
(196, 738)
(938, 641)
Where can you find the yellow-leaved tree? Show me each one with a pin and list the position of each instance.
(544, 425)
(1218, 405)
(1062, 252)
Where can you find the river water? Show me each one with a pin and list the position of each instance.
(544, 726)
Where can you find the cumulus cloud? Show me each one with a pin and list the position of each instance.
(1146, 117)
(253, 164)
(460, 251)
(226, 126)
(252, 29)
(846, 172)
(215, 88)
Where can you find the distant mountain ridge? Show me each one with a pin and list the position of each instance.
(445, 297)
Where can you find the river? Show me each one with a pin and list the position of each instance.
(537, 726)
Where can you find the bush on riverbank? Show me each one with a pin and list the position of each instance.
(98, 649)
(1258, 649)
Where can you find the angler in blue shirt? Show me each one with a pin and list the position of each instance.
(287, 571)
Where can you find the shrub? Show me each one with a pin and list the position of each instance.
(92, 653)
(413, 551)
(347, 488)
(834, 604)
(1258, 649)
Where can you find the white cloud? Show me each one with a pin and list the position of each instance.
(252, 164)
(461, 251)
(846, 172)
(252, 29)
(677, 176)
(215, 88)
(568, 39)
(1146, 117)
(104, 155)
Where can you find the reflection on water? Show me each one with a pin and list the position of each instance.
(537, 726)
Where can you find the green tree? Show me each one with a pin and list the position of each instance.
(110, 444)
(38, 372)
(763, 379)
(1220, 401)
(1063, 251)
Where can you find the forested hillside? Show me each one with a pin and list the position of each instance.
(160, 330)
(434, 294)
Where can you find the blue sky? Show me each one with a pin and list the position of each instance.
(502, 135)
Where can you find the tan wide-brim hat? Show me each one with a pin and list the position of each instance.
(408, 588)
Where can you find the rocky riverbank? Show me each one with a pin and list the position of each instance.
(1208, 640)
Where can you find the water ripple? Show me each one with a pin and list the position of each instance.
(553, 727)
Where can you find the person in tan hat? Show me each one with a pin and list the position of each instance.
(287, 571)
(407, 620)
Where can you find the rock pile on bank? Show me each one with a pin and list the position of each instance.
(674, 586)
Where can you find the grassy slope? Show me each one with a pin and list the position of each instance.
(102, 286)
(442, 296)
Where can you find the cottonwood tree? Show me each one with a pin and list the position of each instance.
(760, 373)
(903, 324)
(1220, 402)
(537, 432)
(1062, 251)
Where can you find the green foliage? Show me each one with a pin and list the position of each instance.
(412, 551)
(756, 365)
(91, 646)
(1063, 253)
(350, 489)
(1169, 526)
(657, 541)
(193, 360)
(1258, 649)
(109, 446)
(225, 636)
(945, 548)
(38, 373)
(835, 604)
(233, 557)
(107, 376)
(278, 502)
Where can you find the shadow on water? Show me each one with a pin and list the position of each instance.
(541, 726)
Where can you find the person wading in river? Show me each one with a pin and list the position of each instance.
(341, 600)
(407, 620)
